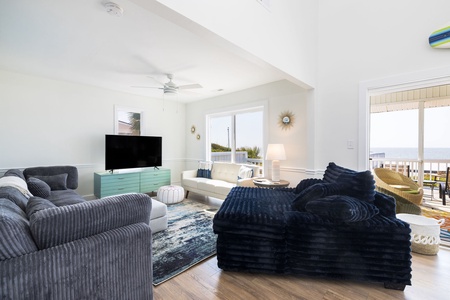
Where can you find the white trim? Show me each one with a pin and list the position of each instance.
(400, 82)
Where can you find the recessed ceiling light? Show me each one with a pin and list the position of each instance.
(113, 9)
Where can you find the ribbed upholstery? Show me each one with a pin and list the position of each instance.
(58, 225)
(112, 265)
(359, 184)
(71, 171)
(98, 249)
(15, 235)
(14, 195)
(260, 231)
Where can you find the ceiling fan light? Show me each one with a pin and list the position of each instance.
(169, 91)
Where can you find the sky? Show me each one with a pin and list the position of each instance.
(400, 128)
(249, 133)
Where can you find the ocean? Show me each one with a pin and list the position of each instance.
(412, 153)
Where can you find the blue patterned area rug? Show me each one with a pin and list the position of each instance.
(188, 240)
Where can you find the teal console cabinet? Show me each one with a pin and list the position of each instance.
(145, 181)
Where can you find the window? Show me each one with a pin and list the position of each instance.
(237, 136)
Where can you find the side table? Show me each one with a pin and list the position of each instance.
(266, 183)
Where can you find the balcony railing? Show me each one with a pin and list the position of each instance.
(241, 158)
(433, 169)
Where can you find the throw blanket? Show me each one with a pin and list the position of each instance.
(17, 183)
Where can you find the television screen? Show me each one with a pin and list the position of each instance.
(126, 151)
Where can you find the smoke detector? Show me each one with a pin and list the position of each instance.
(113, 9)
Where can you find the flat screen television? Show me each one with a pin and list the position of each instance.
(127, 152)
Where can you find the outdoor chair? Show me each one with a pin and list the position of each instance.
(444, 188)
(407, 193)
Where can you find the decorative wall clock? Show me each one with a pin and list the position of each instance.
(286, 120)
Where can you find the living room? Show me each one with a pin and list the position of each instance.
(326, 52)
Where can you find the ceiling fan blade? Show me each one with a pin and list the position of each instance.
(157, 81)
(146, 87)
(190, 86)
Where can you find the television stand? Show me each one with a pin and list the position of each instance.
(139, 181)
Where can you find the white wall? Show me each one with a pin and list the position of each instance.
(279, 97)
(284, 36)
(366, 40)
(47, 122)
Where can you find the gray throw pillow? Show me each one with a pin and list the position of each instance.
(38, 187)
(56, 182)
(36, 204)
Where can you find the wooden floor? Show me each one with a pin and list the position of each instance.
(430, 281)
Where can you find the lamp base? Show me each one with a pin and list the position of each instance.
(275, 170)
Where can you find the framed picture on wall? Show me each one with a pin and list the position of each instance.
(128, 121)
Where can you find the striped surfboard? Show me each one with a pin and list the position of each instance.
(440, 38)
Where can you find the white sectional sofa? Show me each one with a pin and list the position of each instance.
(224, 176)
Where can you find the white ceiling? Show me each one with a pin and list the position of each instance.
(79, 41)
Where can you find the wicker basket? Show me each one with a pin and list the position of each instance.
(424, 233)
(390, 180)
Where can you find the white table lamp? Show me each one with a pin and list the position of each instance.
(275, 153)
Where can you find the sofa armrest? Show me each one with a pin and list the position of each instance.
(188, 174)
(116, 264)
(59, 225)
(248, 182)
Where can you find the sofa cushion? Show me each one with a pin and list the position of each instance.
(386, 204)
(223, 187)
(306, 183)
(15, 236)
(58, 225)
(342, 208)
(159, 209)
(245, 172)
(226, 172)
(17, 183)
(56, 182)
(72, 173)
(36, 204)
(193, 182)
(316, 191)
(360, 185)
(15, 172)
(14, 195)
(38, 187)
(213, 186)
(204, 169)
(65, 197)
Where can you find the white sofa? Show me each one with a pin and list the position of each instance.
(224, 176)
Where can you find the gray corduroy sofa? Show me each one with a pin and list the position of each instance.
(63, 247)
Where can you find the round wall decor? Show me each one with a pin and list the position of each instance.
(286, 120)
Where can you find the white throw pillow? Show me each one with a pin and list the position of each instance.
(245, 172)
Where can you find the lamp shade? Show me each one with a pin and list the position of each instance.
(275, 152)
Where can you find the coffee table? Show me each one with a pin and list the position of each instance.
(267, 183)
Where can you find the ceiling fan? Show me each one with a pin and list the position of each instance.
(170, 88)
